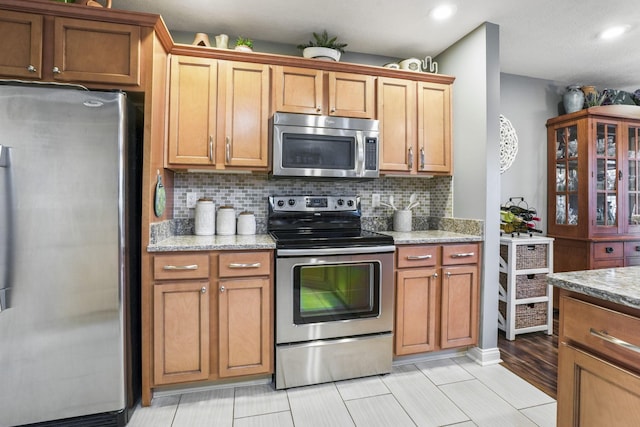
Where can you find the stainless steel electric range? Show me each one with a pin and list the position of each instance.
(334, 291)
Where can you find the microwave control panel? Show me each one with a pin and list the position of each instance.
(371, 153)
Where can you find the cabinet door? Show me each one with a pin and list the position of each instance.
(245, 338)
(606, 209)
(631, 179)
(396, 111)
(180, 331)
(434, 128)
(416, 310)
(297, 90)
(459, 309)
(244, 114)
(351, 95)
(21, 45)
(93, 51)
(593, 392)
(192, 111)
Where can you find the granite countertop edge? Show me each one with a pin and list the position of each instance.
(264, 241)
(618, 285)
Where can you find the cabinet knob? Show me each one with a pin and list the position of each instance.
(319, 108)
(56, 70)
(333, 109)
(608, 249)
(221, 288)
(435, 275)
(203, 290)
(31, 69)
(637, 248)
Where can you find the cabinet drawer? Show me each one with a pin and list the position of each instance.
(460, 254)
(608, 250)
(235, 264)
(632, 249)
(417, 256)
(596, 327)
(181, 266)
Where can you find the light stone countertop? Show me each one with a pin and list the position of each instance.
(430, 236)
(264, 241)
(618, 285)
(213, 243)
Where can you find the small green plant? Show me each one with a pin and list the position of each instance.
(323, 40)
(242, 41)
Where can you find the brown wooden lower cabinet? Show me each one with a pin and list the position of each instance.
(436, 297)
(598, 378)
(181, 326)
(212, 316)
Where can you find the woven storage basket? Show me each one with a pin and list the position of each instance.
(527, 315)
(527, 285)
(527, 256)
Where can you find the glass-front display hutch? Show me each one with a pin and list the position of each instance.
(593, 187)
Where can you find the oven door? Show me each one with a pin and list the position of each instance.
(330, 296)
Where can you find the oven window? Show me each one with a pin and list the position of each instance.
(330, 292)
(318, 151)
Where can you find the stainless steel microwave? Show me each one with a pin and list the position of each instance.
(324, 146)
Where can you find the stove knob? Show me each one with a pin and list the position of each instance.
(280, 203)
(292, 202)
(340, 202)
(350, 203)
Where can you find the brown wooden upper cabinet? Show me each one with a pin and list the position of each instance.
(415, 127)
(311, 91)
(218, 114)
(69, 50)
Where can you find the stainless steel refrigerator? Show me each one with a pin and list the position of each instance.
(69, 256)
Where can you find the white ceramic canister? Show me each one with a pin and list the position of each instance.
(246, 223)
(226, 221)
(402, 220)
(205, 217)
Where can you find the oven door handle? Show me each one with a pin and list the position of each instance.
(336, 251)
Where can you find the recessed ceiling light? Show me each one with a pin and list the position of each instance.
(442, 12)
(613, 32)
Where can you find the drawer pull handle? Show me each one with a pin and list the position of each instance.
(637, 248)
(414, 257)
(613, 340)
(238, 265)
(463, 255)
(608, 250)
(531, 247)
(181, 267)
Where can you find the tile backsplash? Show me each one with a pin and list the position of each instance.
(249, 192)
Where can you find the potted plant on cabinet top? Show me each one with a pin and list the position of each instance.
(323, 47)
(244, 44)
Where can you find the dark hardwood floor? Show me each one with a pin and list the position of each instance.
(533, 357)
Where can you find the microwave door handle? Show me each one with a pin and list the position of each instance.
(359, 153)
(7, 243)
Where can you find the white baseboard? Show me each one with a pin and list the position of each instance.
(484, 357)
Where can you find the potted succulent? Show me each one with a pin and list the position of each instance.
(323, 47)
(244, 44)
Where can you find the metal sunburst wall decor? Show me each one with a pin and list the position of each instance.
(508, 144)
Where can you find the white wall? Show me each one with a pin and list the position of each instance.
(475, 62)
(528, 103)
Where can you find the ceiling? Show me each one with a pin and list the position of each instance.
(547, 39)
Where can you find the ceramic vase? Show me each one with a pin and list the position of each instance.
(573, 99)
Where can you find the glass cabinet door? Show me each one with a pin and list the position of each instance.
(607, 175)
(633, 167)
(566, 175)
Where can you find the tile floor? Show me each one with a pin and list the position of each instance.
(447, 392)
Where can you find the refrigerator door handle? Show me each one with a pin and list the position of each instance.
(7, 244)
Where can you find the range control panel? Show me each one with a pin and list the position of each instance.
(314, 203)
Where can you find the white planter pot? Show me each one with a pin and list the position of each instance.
(323, 53)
